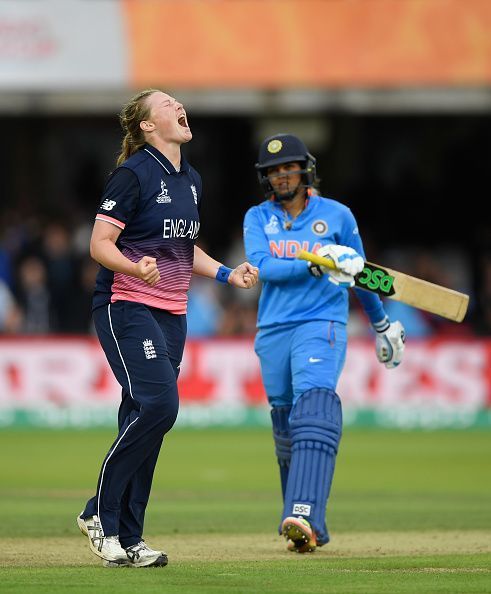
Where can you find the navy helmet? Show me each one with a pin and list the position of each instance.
(284, 148)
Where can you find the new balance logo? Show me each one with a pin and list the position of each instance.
(163, 197)
(108, 204)
(149, 349)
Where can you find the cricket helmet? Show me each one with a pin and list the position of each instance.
(284, 148)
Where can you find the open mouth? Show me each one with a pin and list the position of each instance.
(182, 121)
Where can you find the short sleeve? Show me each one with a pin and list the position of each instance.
(120, 198)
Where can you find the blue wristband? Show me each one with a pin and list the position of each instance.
(222, 274)
(382, 326)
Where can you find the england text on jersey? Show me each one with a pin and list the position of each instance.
(174, 228)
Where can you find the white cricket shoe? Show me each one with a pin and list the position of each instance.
(82, 524)
(141, 555)
(105, 547)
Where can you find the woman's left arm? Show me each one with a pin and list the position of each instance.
(244, 276)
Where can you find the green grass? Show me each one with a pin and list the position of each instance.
(409, 512)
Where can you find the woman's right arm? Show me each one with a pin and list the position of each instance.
(103, 249)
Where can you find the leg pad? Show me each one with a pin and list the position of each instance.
(281, 435)
(315, 429)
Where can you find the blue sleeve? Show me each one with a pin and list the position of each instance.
(271, 269)
(372, 304)
(121, 194)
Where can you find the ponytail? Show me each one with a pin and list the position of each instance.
(132, 113)
(126, 149)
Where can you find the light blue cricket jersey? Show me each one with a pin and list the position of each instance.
(290, 293)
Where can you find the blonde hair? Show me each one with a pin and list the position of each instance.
(130, 116)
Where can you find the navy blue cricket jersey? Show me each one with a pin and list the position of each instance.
(157, 209)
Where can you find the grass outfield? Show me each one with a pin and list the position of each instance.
(409, 512)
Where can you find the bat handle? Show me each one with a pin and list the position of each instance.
(320, 260)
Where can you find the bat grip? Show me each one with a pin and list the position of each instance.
(315, 259)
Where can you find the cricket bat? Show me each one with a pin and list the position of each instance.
(402, 287)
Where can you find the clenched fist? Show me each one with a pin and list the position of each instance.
(146, 270)
(245, 276)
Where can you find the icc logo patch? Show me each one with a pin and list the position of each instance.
(163, 197)
(275, 146)
(319, 227)
(272, 226)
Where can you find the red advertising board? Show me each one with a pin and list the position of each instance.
(66, 381)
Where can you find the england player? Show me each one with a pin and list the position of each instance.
(144, 239)
(301, 339)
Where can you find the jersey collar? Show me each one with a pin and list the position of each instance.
(164, 161)
(277, 205)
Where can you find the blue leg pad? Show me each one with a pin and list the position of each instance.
(281, 435)
(315, 429)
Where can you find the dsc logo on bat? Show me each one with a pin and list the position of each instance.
(376, 279)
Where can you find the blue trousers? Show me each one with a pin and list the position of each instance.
(298, 357)
(144, 348)
(300, 366)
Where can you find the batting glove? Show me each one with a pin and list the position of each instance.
(347, 261)
(389, 343)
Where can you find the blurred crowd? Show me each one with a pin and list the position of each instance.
(47, 278)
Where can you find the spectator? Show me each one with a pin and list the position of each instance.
(204, 311)
(5, 268)
(10, 314)
(34, 297)
(62, 268)
(81, 303)
(238, 320)
(482, 321)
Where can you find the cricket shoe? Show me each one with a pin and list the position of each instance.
(299, 534)
(105, 547)
(141, 555)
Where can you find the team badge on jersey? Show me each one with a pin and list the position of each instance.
(273, 225)
(163, 197)
(319, 227)
(149, 349)
(275, 146)
(195, 193)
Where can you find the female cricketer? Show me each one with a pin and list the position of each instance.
(301, 339)
(144, 239)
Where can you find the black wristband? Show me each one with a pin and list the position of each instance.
(315, 270)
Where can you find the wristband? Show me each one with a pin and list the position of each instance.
(223, 273)
(315, 270)
(382, 326)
